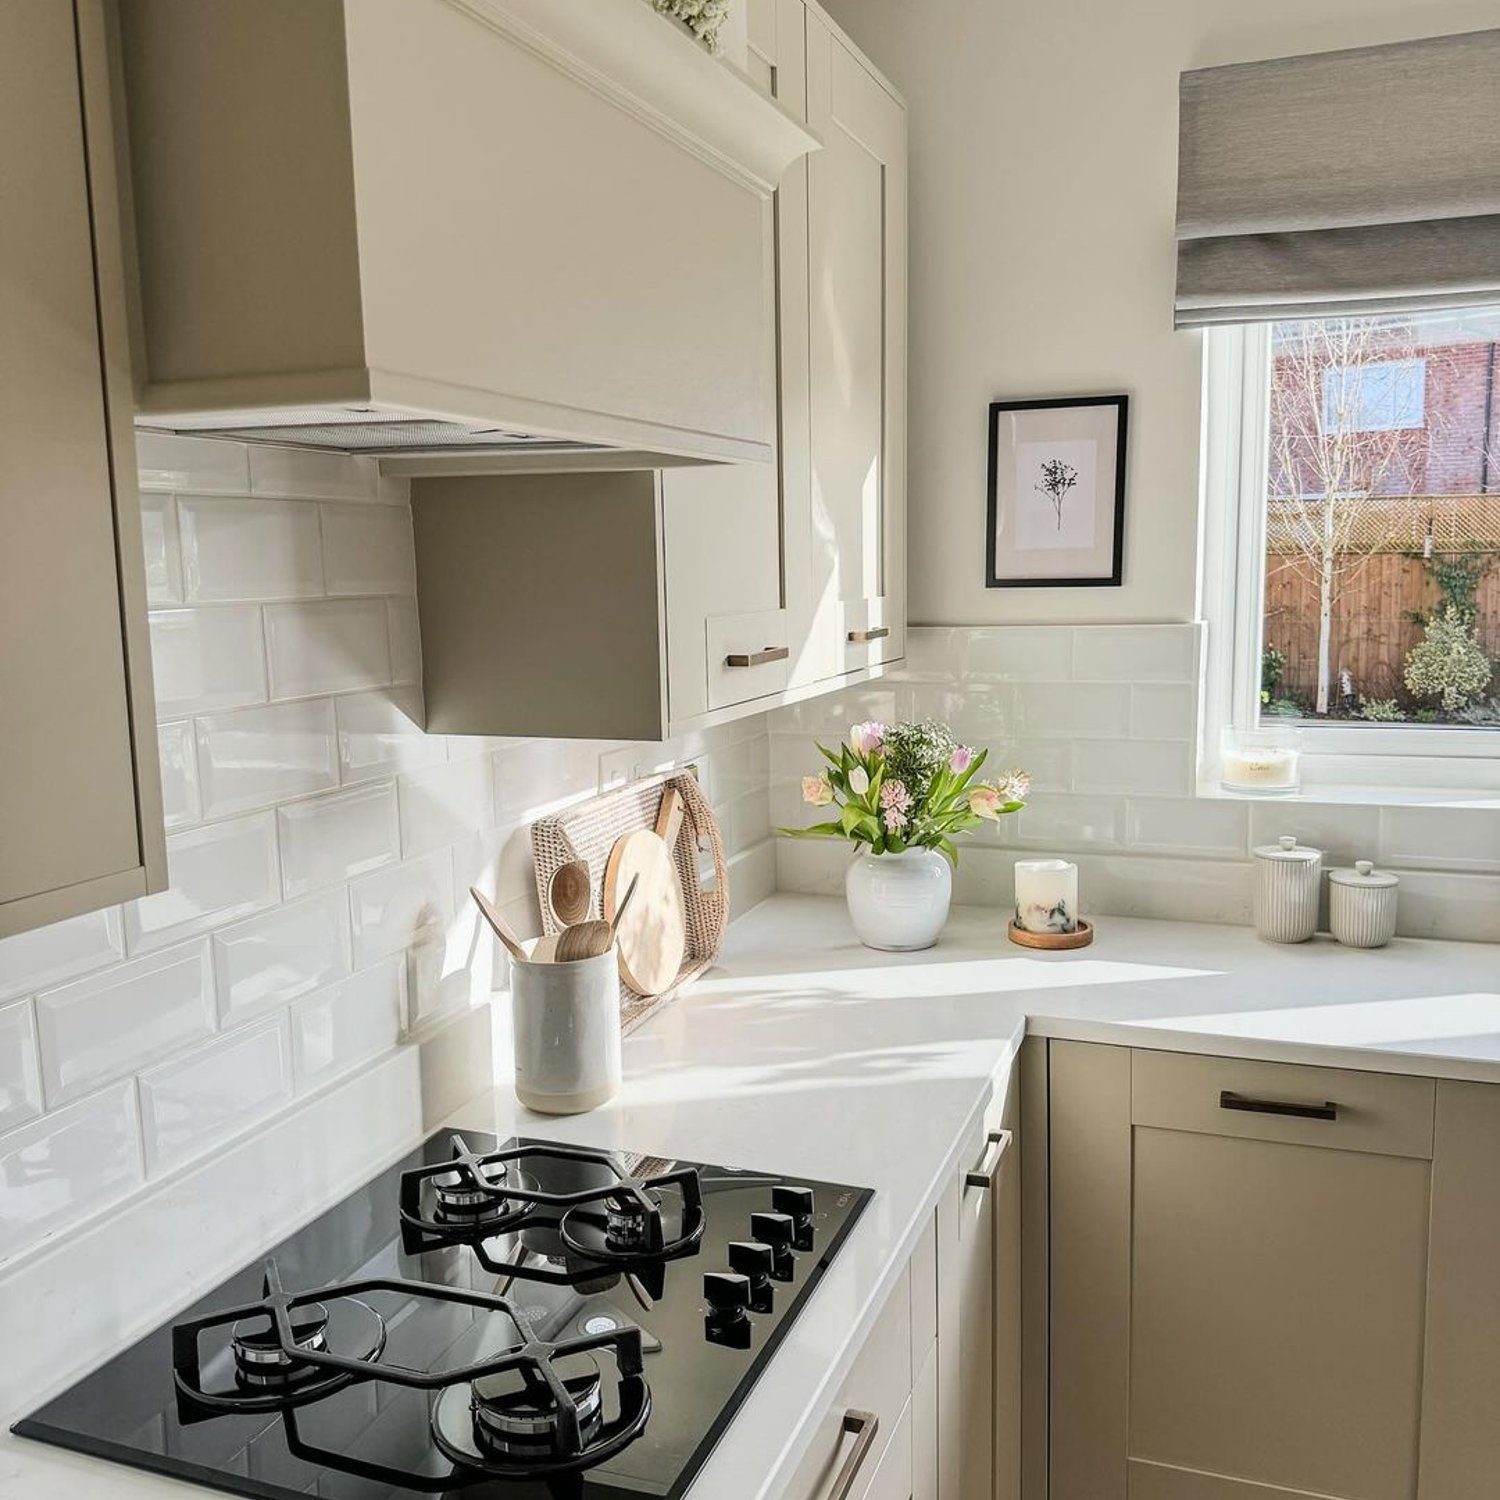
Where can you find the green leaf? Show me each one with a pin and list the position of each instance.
(950, 849)
(829, 755)
(815, 831)
(851, 818)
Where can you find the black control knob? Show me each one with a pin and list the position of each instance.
(778, 1231)
(797, 1204)
(755, 1261)
(727, 1320)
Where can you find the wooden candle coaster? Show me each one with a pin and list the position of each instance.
(1057, 941)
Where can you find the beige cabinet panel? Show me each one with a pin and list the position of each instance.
(1461, 1384)
(78, 773)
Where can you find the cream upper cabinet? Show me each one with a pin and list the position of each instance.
(857, 358)
(80, 820)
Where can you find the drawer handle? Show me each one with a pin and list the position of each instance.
(998, 1142)
(859, 637)
(866, 1424)
(757, 658)
(1228, 1099)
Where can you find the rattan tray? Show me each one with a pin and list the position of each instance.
(588, 831)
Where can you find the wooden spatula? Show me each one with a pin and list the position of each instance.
(498, 923)
(590, 939)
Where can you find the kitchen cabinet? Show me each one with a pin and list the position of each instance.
(80, 799)
(1238, 1269)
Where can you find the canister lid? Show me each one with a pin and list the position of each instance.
(1365, 875)
(1287, 848)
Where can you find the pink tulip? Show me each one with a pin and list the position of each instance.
(867, 738)
(961, 760)
(985, 802)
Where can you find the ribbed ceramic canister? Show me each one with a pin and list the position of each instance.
(1287, 880)
(1362, 905)
(567, 1020)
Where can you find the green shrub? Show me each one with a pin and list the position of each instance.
(1448, 663)
(1380, 711)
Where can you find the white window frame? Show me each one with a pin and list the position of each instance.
(1418, 760)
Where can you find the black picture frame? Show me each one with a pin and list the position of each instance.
(1115, 577)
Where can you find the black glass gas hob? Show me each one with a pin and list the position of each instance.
(503, 1322)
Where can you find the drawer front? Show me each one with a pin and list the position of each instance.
(1283, 1102)
(878, 1384)
(892, 1479)
(748, 656)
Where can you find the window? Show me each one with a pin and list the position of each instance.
(1352, 533)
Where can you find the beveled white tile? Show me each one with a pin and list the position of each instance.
(209, 658)
(215, 874)
(445, 803)
(1135, 653)
(933, 652)
(312, 476)
(49, 955)
(178, 757)
(1441, 838)
(191, 1104)
(328, 646)
(405, 640)
(1156, 766)
(977, 713)
(440, 978)
(533, 777)
(1127, 885)
(1055, 709)
(741, 769)
(159, 546)
(1064, 823)
(393, 907)
(380, 734)
(1016, 653)
(1343, 832)
(258, 756)
(342, 1026)
(1198, 826)
(167, 461)
(329, 839)
(20, 1068)
(110, 1024)
(498, 861)
(281, 954)
(1466, 907)
(832, 714)
(65, 1166)
(368, 549)
(248, 549)
(1163, 711)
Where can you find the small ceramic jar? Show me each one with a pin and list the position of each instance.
(1362, 905)
(1287, 880)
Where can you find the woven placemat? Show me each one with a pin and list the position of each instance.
(589, 830)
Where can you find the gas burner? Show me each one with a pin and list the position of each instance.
(472, 1195)
(260, 1357)
(626, 1227)
(472, 1201)
(516, 1416)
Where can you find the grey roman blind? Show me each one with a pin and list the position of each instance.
(1343, 182)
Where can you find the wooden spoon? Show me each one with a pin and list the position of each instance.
(590, 939)
(570, 893)
(499, 924)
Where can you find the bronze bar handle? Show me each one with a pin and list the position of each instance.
(1228, 1099)
(982, 1176)
(866, 1424)
(757, 658)
(859, 637)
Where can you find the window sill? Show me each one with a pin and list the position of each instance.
(1470, 798)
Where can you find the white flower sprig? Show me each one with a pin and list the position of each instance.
(702, 17)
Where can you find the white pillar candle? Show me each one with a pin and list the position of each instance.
(1046, 895)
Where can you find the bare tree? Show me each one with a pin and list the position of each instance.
(1057, 479)
(1327, 459)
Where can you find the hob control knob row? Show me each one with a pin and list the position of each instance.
(797, 1204)
(756, 1262)
(779, 1231)
(728, 1318)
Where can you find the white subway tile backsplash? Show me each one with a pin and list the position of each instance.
(49, 955)
(330, 646)
(1135, 653)
(20, 1069)
(190, 1105)
(336, 837)
(1163, 711)
(395, 906)
(380, 734)
(1062, 823)
(281, 954)
(303, 474)
(255, 757)
(203, 659)
(439, 979)
(1440, 838)
(1012, 653)
(1343, 832)
(67, 1165)
(340, 1027)
(1158, 766)
(215, 874)
(159, 547)
(979, 712)
(110, 1024)
(178, 758)
(167, 461)
(368, 549)
(1069, 709)
(445, 803)
(1433, 904)
(405, 640)
(249, 549)
(1201, 827)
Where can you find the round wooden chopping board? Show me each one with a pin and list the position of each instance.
(652, 936)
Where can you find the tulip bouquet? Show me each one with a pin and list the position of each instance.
(907, 786)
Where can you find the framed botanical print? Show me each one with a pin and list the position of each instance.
(1056, 493)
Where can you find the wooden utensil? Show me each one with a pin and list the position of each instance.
(590, 939)
(499, 924)
(570, 893)
(652, 935)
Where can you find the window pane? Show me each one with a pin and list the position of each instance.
(1382, 599)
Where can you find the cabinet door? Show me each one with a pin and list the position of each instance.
(1461, 1384)
(1237, 1278)
(79, 801)
(857, 357)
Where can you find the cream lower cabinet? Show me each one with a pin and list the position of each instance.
(80, 800)
(1238, 1278)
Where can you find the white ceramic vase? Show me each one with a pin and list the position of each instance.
(899, 901)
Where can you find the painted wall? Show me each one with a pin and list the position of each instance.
(1043, 191)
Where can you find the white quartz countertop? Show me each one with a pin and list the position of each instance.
(804, 1053)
